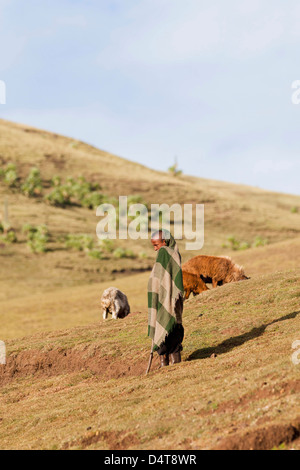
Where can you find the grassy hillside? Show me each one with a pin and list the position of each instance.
(241, 212)
(236, 379)
(80, 305)
(236, 387)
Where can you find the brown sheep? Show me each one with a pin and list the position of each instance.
(192, 283)
(217, 270)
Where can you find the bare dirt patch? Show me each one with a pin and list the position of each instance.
(114, 440)
(265, 438)
(58, 362)
(266, 392)
(277, 390)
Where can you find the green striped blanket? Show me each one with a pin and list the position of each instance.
(165, 287)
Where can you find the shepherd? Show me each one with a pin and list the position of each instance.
(165, 300)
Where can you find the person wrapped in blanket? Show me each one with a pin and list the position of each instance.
(165, 299)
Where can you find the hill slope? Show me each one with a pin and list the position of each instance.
(237, 378)
(67, 307)
(236, 387)
(230, 210)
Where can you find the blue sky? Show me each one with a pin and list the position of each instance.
(209, 82)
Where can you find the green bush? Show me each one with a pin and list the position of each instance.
(259, 241)
(81, 242)
(80, 187)
(74, 191)
(9, 175)
(294, 210)
(59, 197)
(244, 246)
(74, 242)
(122, 253)
(33, 184)
(9, 237)
(92, 200)
(107, 245)
(55, 181)
(235, 244)
(119, 253)
(174, 169)
(96, 254)
(135, 199)
(6, 226)
(27, 228)
(77, 188)
(238, 245)
(37, 237)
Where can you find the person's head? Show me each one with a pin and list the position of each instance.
(158, 240)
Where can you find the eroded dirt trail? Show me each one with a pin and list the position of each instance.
(59, 362)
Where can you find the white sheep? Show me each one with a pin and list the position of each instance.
(115, 302)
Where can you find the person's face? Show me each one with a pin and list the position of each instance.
(158, 243)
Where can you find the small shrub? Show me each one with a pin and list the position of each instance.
(74, 242)
(122, 253)
(135, 199)
(259, 241)
(75, 191)
(33, 185)
(130, 254)
(80, 187)
(107, 245)
(9, 175)
(27, 228)
(59, 197)
(80, 242)
(119, 253)
(244, 246)
(6, 227)
(96, 254)
(87, 242)
(55, 181)
(9, 237)
(236, 244)
(37, 237)
(294, 210)
(173, 169)
(74, 144)
(92, 200)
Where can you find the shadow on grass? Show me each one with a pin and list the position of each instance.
(237, 341)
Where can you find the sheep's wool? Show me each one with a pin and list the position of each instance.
(165, 287)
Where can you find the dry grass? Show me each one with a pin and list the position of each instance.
(249, 384)
(67, 307)
(230, 209)
(237, 375)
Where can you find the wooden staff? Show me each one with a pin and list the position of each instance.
(150, 359)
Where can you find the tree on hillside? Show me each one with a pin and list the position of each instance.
(174, 169)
